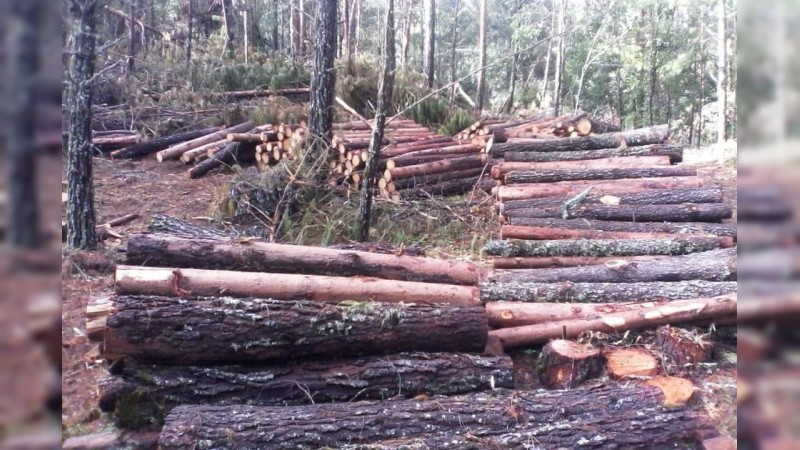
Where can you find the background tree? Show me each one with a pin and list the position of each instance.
(481, 55)
(430, 41)
(323, 78)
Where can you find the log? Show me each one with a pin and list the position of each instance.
(499, 170)
(404, 162)
(175, 151)
(686, 212)
(161, 223)
(726, 229)
(604, 247)
(442, 150)
(225, 330)
(547, 233)
(426, 180)
(157, 144)
(566, 364)
(567, 291)
(648, 197)
(681, 349)
(630, 362)
(247, 137)
(253, 256)
(642, 136)
(677, 391)
(134, 280)
(445, 188)
(679, 311)
(400, 149)
(229, 155)
(613, 187)
(201, 153)
(138, 394)
(466, 162)
(714, 265)
(111, 142)
(674, 152)
(553, 175)
(607, 414)
(572, 261)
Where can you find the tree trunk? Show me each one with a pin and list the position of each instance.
(566, 364)
(557, 291)
(323, 80)
(554, 175)
(446, 165)
(543, 100)
(131, 62)
(674, 152)
(80, 191)
(642, 136)
(141, 394)
(727, 229)
(222, 330)
(190, 26)
(571, 261)
(430, 40)
(230, 26)
(679, 311)
(133, 280)
(158, 144)
(687, 212)
(559, 75)
(405, 43)
(512, 83)
(715, 265)
(604, 247)
(649, 197)
(453, 50)
(721, 66)
(303, 28)
(503, 168)
(384, 103)
(501, 419)
(196, 252)
(614, 187)
(22, 210)
(482, 24)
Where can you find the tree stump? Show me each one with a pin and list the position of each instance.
(566, 364)
(682, 349)
(631, 362)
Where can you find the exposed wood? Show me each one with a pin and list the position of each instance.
(547, 233)
(175, 151)
(682, 349)
(566, 364)
(571, 261)
(677, 391)
(553, 175)
(220, 330)
(645, 197)
(630, 362)
(726, 229)
(604, 247)
(674, 152)
(229, 155)
(613, 187)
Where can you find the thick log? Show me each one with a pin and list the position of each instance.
(499, 170)
(222, 330)
(613, 187)
(679, 311)
(714, 265)
(445, 188)
(726, 229)
(231, 154)
(681, 349)
(604, 247)
(630, 362)
(466, 162)
(648, 197)
(642, 136)
(426, 180)
(552, 175)
(568, 291)
(677, 391)
(545, 233)
(175, 151)
(252, 256)
(441, 150)
(134, 280)
(404, 162)
(674, 152)
(686, 212)
(571, 261)
(155, 145)
(139, 394)
(607, 414)
(566, 364)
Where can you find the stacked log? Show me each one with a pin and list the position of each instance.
(106, 141)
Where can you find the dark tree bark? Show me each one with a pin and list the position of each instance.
(323, 80)
(406, 43)
(481, 55)
(382, 108)
(190, 26)
(609, 413)
(80, 191)
(229, 15)
(555, 175)
(140, 394)
(675, 153)
(22, 211)
(726, 229)
(687, 212)
(566, 364)
(642, 136)
(445, 188)
(131, 63)
(222, 330)
(647, 197)
(453, 48)
(430, 41)
(232, 154)
(177, 227)
(158, 144)
(602, 247)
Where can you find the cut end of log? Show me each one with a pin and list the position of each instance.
(681, 349)
(677, 391)
(631, 362)
(567, 364)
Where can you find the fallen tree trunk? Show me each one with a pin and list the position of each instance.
(139, 393)
(175, 151)
(223, 330)
(256, 93)
(503, 168)
(557, 261)
(604, 247)
(726, 229)
(613, 187)
(686, 212)
(157, 144)
(552, 175)
(466, 162)
(134, 280)
(715, 265)
(631, 414)
(674, 152)
(173, 251)
(642, 136)
(545, 233)
(610, 292)
(673, 312)
(648, 197)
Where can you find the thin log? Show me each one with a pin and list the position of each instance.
(652, 227)
(403, 162)
(466, 162)
(572, 261)
(647, 197)
(674, 152)
(604, 247)
(687, 212)
(502, 169)
(553, 175)
(228, 155)
(157, 144)
(548, 233)
(614, 187)
(174, 152)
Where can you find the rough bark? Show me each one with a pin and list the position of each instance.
(175, 151)
(323, 79)
(602, 247)
(223, 330)
(566, 364)
(674, 152)
(648, 197)
(545, 233)
(613, 187)
(630, 362)
(425, 180)
(158, 144)
(554, 175)
(230, 26)
(632, 415)
(140, 394)
(430, 41)
(504, 167)
(482, 24)
(462, 163)
(568, 291)
(573, 261)
(165, 224)
(687, 212)
(680, 349)
(190, 30)
(231, 154)
(197, 252)
(726, 229)
(642, 136)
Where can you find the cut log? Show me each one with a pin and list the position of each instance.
(173, 251)
(404, 162)
(630, 362)
(673, 152)
(466, 162)
(426, 180)
(629, 414)
(155, 145)
(134, 280)
(572, 261)
(726, 229)
(139, 394)
(613, 187)
(642, 136)
(229, 155)
(604, 247)
(175, 151)
(224, 330)
(567, 364)
(558, 291)
(714, 265)
(499, 170)
(401, 149)
(552, 175)
(648, 197)
(105, 143)
(442, 150)
(161, 223)
(686, 212)
(200, 153)
(247, 137)
(677, 391)
(445, 188)
(545, 233)
(681, 349)
(679, 311)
